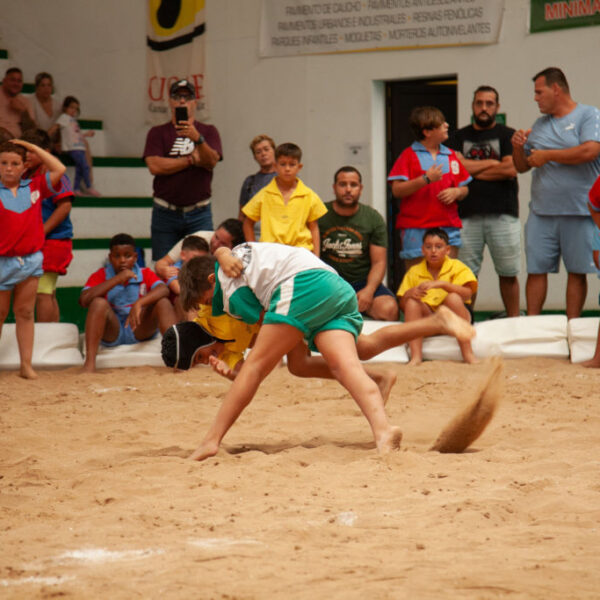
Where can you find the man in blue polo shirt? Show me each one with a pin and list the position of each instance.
(563, 148)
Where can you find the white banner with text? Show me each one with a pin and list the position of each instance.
(291, 27)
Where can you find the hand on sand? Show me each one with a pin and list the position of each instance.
(220, 367)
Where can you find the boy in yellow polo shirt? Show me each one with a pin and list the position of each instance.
(437, 280)
(287, 209)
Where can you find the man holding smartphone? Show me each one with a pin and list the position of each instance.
(181, 154)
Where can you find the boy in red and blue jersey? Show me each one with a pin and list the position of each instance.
(429, 180)
(126, 304)
(22, 238)
(58, 229)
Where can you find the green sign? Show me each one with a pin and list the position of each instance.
(547, 15)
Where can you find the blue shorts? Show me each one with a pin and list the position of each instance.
(412, 240)
(126, 336)
(314, 301)
(549, 237)
(501, 233)
(16, 269)
(380, 291)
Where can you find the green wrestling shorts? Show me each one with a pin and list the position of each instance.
(313, 301)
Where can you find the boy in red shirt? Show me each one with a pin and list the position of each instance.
(429, 180)
(22, 238)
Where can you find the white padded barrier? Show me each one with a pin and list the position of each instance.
(513, 337)
(518, 337)
(59, 345)
(582, 335)
(129, 355)
(55, 345)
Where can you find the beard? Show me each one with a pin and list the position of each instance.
(484, 120)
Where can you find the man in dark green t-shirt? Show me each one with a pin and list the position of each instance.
(354, 242)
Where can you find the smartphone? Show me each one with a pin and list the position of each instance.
(181, 114)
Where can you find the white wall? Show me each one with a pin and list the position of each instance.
(320, 102)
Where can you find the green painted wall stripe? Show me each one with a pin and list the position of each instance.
(103, 243)
(118, 161)
(112, 202)
(28, 88)
(90, 123)
(3, 53)
(108, 161)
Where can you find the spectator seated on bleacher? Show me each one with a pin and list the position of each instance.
(125, 304)
(229, 234)
(192, 245)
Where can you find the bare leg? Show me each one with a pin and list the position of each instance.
(272, 343)
(443, 321)
(594, 362)
(160, 315)
(302, 364)
(535, 292)
(101, 323)
(576, 293)
(4, 306)
(384, 308)
(46, 308)
(414, 310)
(23, 307)
(509, 290)
(338, 349)
(455, 303)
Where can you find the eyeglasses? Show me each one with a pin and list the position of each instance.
(179, 96)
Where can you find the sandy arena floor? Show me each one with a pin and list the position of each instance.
(97, 499)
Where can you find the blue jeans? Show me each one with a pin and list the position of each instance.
(82, 169)
(169, 226)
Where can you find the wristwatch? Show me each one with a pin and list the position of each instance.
(427, 180)
(201, 140)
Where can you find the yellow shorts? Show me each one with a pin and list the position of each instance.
(47, 283)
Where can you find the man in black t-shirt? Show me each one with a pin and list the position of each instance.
(490, 213)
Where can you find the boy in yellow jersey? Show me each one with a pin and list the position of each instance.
(433, 283)
(287, 209)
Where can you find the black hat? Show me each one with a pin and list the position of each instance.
(181, 342)
(182, 84)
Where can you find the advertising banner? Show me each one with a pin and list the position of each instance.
(290, 27)
(547, 16)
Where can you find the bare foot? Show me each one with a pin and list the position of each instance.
(220, 367)
(414, 362)
(594, 363)
(204, 451)
(389, 441)
(88, 368)
(27, 372)
(470, 359)
(385, 381)
(452, 324)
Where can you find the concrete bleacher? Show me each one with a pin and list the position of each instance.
(59, 345)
